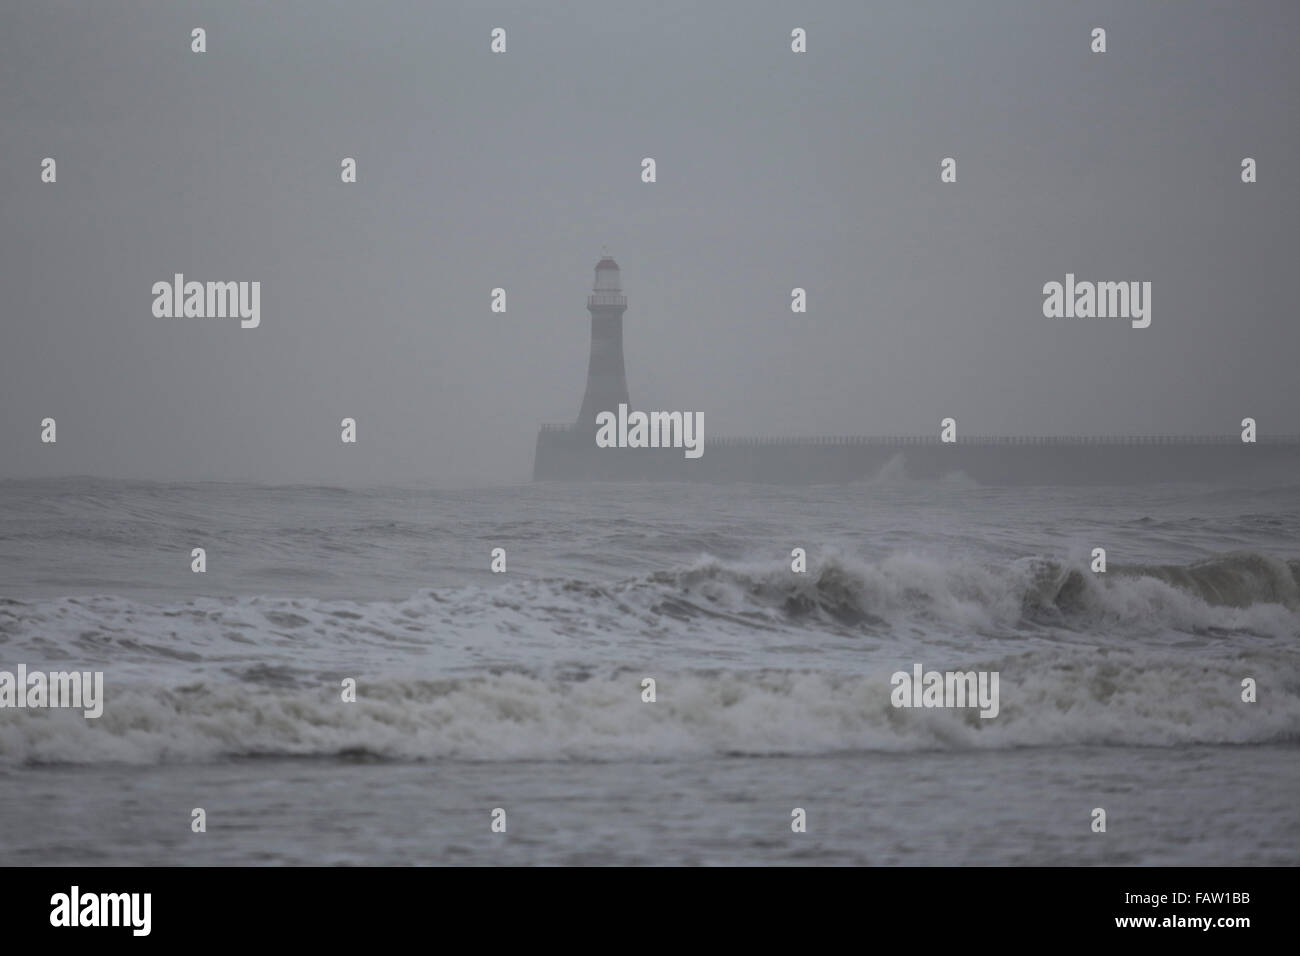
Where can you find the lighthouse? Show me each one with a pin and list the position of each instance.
(606, 380)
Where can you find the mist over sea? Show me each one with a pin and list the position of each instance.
(522, 690)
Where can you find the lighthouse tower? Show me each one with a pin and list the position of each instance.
(606, 381)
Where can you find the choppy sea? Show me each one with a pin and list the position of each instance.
(523, 690)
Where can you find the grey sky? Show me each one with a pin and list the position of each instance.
(775, 170)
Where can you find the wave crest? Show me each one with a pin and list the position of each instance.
(1046, 700)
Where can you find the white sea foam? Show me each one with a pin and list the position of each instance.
(1047, 700)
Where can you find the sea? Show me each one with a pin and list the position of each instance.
(502, 717)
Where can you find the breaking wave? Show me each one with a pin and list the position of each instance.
(750, 657)
(1046, 701)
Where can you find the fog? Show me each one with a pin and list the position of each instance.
(775, 170)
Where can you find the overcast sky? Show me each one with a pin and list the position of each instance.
(775, 170)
